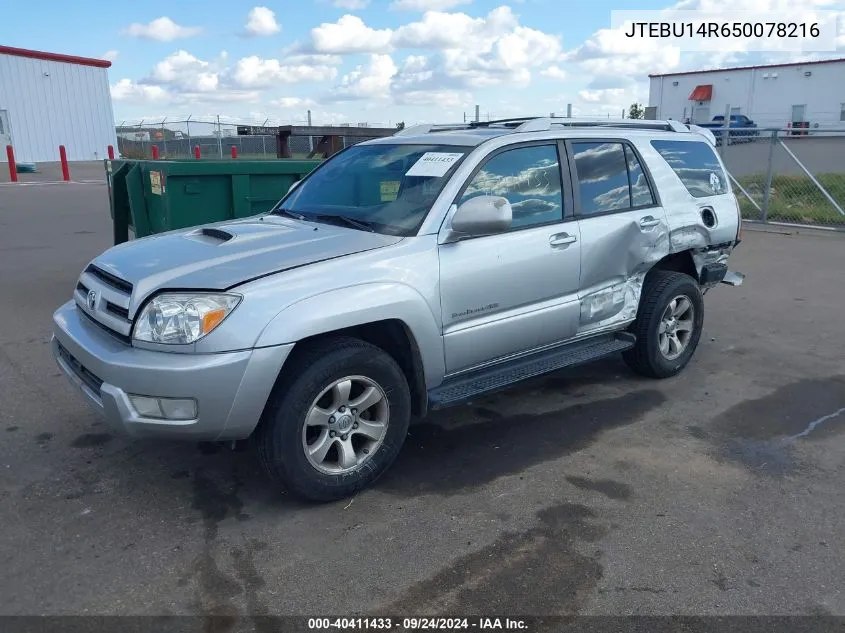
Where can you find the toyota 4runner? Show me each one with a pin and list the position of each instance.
(406, 274)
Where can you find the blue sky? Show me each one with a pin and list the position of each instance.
(378, 61)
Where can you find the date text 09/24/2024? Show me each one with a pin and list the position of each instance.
(417, 624)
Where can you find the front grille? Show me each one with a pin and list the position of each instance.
(123, 338)
(90, 379)
(115, 309)
(107, 278)
(105, 300)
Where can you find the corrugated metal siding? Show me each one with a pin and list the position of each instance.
(56, 103)
(766, 100)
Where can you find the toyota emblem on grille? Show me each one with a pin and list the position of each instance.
(92, 300)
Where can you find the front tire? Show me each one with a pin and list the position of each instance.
(338, 423)
(668, 326)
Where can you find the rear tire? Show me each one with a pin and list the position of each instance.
(314, 440)
(668, 326)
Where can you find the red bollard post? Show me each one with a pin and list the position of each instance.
(65, 168)
(155, 152)
(13, 167)
(111, 152)
(197, 151)
(234, 152)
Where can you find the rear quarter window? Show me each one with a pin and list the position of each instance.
(695, 163)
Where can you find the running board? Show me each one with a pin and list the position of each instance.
(462, 388)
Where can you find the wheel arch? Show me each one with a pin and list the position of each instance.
(394, 337)
(679, 262)
(392, 316)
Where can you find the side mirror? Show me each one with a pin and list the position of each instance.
(481, 215)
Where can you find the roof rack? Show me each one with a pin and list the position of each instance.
(541, 124)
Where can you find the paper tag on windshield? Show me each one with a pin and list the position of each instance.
(389, 190)
(433, 164)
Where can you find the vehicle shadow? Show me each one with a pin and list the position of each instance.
(447, 453)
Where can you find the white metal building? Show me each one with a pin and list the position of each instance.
(47, 100)
(772, 96)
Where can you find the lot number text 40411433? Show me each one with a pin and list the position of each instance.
(418, 624)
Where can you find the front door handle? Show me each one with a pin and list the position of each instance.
(648, 222)
(562, 239)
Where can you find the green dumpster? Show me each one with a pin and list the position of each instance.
(155, 196)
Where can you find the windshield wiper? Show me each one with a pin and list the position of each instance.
(289, 213)
(356, 224)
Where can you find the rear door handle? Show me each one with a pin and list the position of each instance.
(562, 239)
(648, 221)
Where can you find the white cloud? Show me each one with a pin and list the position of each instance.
(435, 98)
(598, 96)
(161, 29)
(222, 96)
(349, 35)
(554, 72)
(483, 51)
(372, 81)
(255, 72)
(289, 103)
(351, 5)
(315, 60)
(128, 90)
(261, 21)
(111, 55)
(184, 72)
(440, 30)
(425, 5)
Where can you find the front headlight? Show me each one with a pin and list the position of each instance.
(179, 319)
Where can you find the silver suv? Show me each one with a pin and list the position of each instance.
(402, 275)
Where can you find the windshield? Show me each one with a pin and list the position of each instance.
(384, 188)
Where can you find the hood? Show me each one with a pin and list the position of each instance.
(222, 255)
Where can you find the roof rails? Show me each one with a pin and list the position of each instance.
(541, 124)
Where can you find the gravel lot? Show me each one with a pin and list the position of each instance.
(588, 491)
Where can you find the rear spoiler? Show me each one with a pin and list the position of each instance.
(703, 131)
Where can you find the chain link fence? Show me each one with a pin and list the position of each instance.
(780, 174)
(178, 138)
(788, 175)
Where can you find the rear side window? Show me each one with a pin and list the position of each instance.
(696, 165)
(610, 178)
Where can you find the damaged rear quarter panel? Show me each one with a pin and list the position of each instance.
(617, 252)
(616, 255)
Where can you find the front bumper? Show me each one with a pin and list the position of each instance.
(230, 388)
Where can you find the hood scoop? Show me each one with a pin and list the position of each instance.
(211, 235)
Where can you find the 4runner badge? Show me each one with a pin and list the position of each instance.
(92, 300)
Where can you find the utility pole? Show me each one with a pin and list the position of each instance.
(477, 113)
(219, 138)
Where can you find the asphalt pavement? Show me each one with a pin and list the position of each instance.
(589, 491)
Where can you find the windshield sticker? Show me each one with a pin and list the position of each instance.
(389, 190)
(433, 164)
